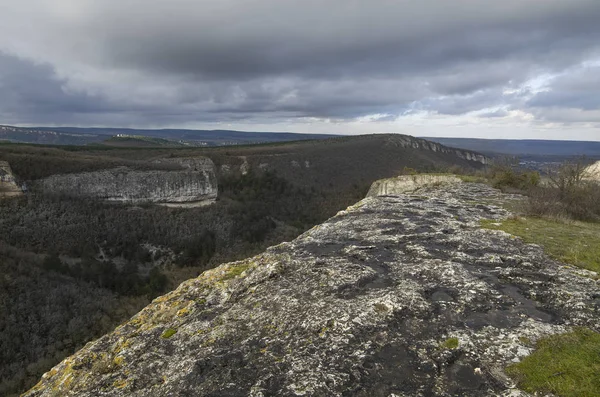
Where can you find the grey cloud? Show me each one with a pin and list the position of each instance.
(264, 60)
(461, 104)
(568, 116)
(35, 90)
(495, 114)
(579, 89)
(572, 98)
(265, 38)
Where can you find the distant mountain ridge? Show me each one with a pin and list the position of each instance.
(133, 137)
(188, 137)
(46, 136)
(537, 147)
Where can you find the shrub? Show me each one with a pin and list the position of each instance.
(506, 175)
(568, 194)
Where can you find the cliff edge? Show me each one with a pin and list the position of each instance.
(409, 183)
(364, 304)
(195, 183)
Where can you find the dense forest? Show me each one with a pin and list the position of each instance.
(73, 268)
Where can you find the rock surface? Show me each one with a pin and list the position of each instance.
(194, 183)
(408, 141)
(8, 186)
(409, 183)
(400, 295)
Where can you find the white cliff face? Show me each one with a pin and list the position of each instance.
(593, 172)
(196, 182)
(8, 186)
(408, 183)
(406, 141)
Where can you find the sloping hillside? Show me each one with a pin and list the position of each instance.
(349, 160)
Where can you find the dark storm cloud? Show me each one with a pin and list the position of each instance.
(336, 38)
(34, 89)
(165, 62)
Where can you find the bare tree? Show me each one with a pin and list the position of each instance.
(568, 177)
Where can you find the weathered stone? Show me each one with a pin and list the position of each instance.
(401, 295)
(409, 183)
(8, 186)
(422, 144)
(194, 184)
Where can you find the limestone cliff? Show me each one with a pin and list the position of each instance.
(361, 305)
(194, 183)
(409, 183)
(8, 186)
(408, 141)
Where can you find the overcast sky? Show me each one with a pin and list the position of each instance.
(472, 68)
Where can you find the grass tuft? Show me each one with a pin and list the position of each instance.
(567, 365)
(449, 344)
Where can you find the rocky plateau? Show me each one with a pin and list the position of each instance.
(361, 305)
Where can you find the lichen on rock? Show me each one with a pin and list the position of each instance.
(398, 295)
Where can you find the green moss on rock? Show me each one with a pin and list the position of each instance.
(169, 332)
(450, 343)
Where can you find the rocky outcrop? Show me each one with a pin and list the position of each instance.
(593, 172)
(407, 141)
(8, 185)
(195, 183)
(399, 295)
(409, 183)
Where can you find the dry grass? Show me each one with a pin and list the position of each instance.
(572, 242)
